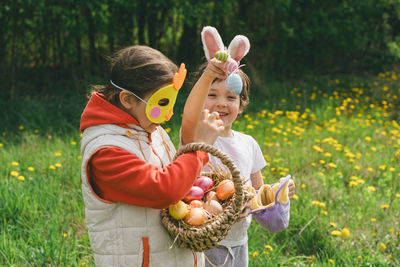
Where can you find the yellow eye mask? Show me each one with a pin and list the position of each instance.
(159, 107)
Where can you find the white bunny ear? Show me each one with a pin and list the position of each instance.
(212, 41)
(239, 47)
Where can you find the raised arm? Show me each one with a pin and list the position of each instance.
(195, 102)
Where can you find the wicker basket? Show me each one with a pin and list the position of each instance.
(213, 230)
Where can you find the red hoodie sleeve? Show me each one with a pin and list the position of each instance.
(119, 176)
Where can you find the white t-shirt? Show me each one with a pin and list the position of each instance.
(247, 156)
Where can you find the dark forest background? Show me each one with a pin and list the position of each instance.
(49, 46)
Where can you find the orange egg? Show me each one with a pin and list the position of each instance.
(196, 216)
(225, 189)
(196, 204)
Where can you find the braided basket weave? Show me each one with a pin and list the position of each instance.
(213, 230)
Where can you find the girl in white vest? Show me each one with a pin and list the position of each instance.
(127, 169)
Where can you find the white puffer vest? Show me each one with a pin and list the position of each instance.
(120, 234)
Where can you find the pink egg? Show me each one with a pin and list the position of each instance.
(204, 182)
(195, 193)
(231, 65)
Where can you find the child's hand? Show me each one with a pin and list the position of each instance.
(291, 187)
(208, 128)
(246, 210)
(215, 70)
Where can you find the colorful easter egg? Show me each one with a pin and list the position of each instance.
(231, 65)
(234, 83)
(221, 55)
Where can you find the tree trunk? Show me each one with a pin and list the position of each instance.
(142, 21)
(91, 35)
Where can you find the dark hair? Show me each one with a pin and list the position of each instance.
(244, 95)
(140, 69)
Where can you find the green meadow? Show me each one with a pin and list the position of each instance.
(339, 138)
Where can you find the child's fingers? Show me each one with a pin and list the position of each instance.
(218, 67)
(213, 116)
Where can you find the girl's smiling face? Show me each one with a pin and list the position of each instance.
(223, 101)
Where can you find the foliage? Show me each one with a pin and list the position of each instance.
(44, 41)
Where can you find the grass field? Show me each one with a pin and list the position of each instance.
(339, 139)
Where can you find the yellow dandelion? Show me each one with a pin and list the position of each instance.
(392, 169)
(64, 234)
(73, 143)
(14, 163)
(354, 178)
(83, 264)
(250, 126)
(312, 259)
(385, 206)
(332, 165)
(21, 178)
(1, 144)
(391, 230)
(371, 188)
(317, 148)
(321, 205)
(353, 184)
(339, 173)
(373, 219)
(324, 212)
(322, 161)
(390, 256)
(57, 154)
(327, 154)
(332, 224)
(331, 261)
(58, 165)
(369, 169)
(79, 157)
(357, 167)
(269, 247)
(52, 167)
(367, 139)
(21, 127)
(255, 254)
(302, 186)
(360, 181)
(36, 131)
(382, 246)
(31, 169)
(359, 258)
(296, 197)
(382, 167)
(336, 233)
(397, 195)
(346, 232)
(14, 173)
(168, 130)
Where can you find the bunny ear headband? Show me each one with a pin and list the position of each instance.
(238, 48)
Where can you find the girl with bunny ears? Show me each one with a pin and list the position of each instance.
(214, 91)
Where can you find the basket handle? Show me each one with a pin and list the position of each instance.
(226, 160)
